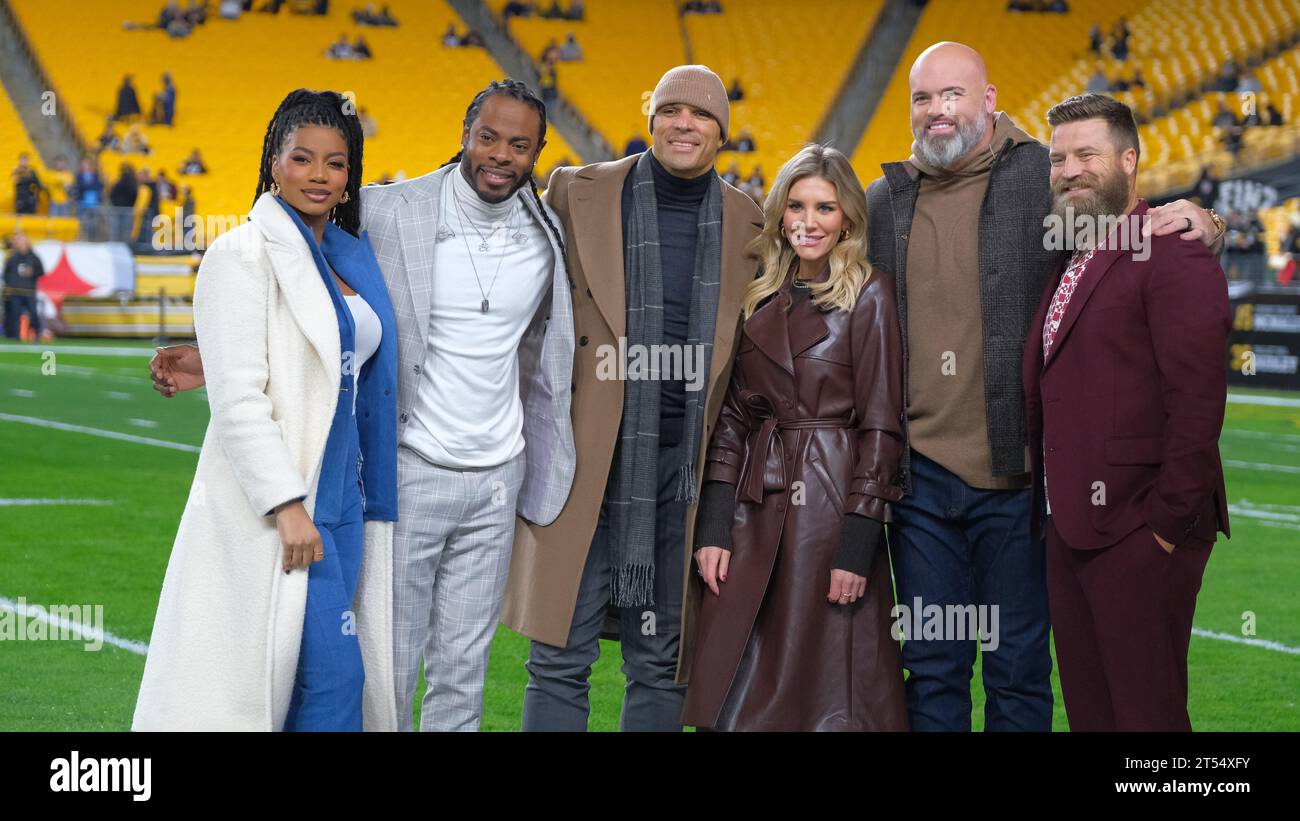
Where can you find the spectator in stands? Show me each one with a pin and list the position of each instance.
(122, 197)
(164, 103)
(1057, 7)
(548, 84)
(187, 203)
(27, 186)
(552, 12)
(165, 187)
(756, 178)
(550, 54)
(197, 13)
(148, 205)
(369, 16)
(386, 18)
(59, 183)
(1249, 83)
(745, 144)
(128, 103)
(1223, 118)
(571, 52)
(1245, 233)
(732, 175)
(194, 164)
(341, 49)
(1097, 83)
(450, 39)
(576, 11)
(271, 7)
(635, 145)
(369, 128)
(473, 39)
(1119, 39)
(1291, 242)
(735, 94)
(1094, 39)
(21, 272)
(88, 189)
(1274, 116)
(108, 139)
(517, 9)
(135, 141)
(1229, 75)
(361, 49)
(1234, 139)
(1205, 192)
(230, 9)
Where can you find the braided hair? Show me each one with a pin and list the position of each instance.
(517, 90)
(324, 108)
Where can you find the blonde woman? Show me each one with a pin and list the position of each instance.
(793, 631)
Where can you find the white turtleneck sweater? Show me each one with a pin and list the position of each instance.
(467, 411)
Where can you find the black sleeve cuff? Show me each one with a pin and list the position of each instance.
(859, 540)
(715, 515)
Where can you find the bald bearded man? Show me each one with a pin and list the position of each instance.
(961, 225)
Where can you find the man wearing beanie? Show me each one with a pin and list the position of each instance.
(656, 253)
(961, 225)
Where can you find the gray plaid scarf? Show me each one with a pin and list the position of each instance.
(634, 484)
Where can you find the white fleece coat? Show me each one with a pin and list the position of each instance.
(224, 650)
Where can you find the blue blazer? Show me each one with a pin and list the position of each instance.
(376, 416)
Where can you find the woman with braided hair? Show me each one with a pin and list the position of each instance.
(476, 268)
(280, 578)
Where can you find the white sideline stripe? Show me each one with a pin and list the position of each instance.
(76, 370)
(77, 349)
(106, 434)
(1258, 434)
(1251, 512)
(1267, 645)
(24, 393)
(42, 502)
(80, 630)
(1274, 401)
(1235, 463)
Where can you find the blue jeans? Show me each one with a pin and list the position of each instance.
(328, 684)
(953, 544)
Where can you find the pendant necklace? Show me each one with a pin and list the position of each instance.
(483, 247)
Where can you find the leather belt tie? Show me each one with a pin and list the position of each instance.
(765, 468)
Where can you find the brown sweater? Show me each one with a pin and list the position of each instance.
(946, 414)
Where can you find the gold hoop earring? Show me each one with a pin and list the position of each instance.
(275, 188)
(346, 197)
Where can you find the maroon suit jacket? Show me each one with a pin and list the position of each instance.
(1132, 396)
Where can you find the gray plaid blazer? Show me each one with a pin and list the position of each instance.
(402, 220)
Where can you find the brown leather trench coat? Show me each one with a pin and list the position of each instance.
(809, 431)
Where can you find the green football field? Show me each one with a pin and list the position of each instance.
(97, 467)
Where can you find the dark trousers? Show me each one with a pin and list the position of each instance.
(1122, 617)
(956, 545)
(15, 307)
(556, 696)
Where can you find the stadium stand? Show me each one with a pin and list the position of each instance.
(230, 76)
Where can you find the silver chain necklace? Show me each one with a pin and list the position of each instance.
(483, 247)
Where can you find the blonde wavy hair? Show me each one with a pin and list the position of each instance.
(849, 267)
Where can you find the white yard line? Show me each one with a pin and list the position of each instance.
(1261, 466)
(1267, 645)
(55, 502)
(89, 350)
(1272, 401)
(106, 434)
(81, 631)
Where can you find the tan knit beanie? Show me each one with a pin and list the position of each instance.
(695, 86)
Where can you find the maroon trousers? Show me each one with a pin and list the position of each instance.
(1122, 621)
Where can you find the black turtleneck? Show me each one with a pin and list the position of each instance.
(679, 202)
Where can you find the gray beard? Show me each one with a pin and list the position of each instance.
(942, 152)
